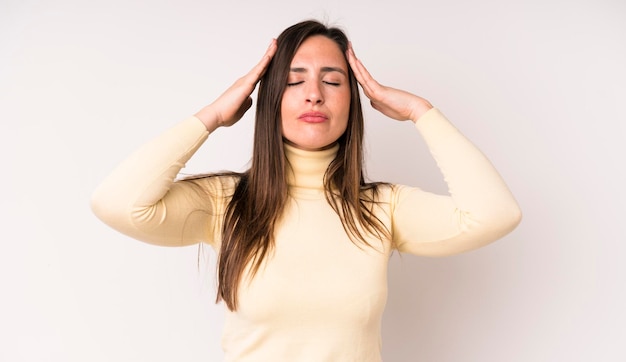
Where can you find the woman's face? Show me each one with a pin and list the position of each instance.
(316, 102)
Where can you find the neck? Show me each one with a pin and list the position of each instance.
(291, 144)
(305, 168)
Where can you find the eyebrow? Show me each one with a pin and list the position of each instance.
(324, 70)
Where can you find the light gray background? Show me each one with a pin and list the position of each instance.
(538, 85)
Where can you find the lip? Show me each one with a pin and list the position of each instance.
(313, 117)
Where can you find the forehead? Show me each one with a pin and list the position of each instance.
(319, 50)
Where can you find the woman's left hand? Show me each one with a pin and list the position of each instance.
(393, 103)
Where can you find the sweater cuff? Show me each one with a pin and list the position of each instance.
(433, 123)
(194, 125)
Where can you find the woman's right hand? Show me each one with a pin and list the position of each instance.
(229, 107)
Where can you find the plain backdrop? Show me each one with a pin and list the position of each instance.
(538, 85)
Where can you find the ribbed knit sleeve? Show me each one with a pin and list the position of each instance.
(141, 199)
(478, 210)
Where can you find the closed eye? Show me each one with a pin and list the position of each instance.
(334, 84)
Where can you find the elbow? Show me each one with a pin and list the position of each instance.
(511, 217)
(138, 223)
(502, 222)
(492, 226)
(516, 217)
(471, 233)
(502, 215)
(99, 207)
(104, 207)
(114, 213)
(97, 204)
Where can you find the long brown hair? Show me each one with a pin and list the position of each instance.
(261, 192)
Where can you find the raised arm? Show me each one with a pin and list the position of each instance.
(141, 199)
(479, 208)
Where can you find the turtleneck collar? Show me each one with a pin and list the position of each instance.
(306, 169)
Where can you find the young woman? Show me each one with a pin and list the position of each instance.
(303, 240)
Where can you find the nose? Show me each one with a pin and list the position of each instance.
(314, 93)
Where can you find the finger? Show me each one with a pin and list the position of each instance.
(352, 61)
(363, 76)
(357, 66)
(257, 72)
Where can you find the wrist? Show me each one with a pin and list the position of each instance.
(421, 107)
(209, 118)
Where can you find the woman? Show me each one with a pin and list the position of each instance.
(303, 241)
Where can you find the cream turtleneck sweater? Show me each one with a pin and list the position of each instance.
(318, 296)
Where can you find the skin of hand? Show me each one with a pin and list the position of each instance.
(231, 105)
(391, 102)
